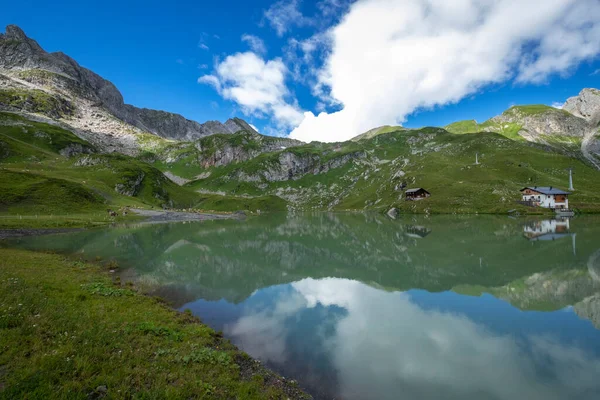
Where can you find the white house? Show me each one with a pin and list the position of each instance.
(546, 196)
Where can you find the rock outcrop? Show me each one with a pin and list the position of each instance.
(218, 151)
(589, 309)
(586, 105)
(537, 126)
(292, 166)
(131, 186)
(27, 70)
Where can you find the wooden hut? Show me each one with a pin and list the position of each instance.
(417, 194)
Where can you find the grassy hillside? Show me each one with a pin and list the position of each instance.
(188, 159)
(507, 129)
(22, 192)
(377, 131)
(431, 158)
(45, 169)
(36, 101)
(247, 171)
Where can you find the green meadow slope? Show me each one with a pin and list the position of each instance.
(370, 174)
(45, 169)
(126, 156)
(48, 170)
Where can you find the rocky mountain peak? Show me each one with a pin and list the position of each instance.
(24, 59)
(14, 32)
(586, 105)
(235, 125)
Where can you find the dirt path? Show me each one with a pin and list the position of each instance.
(175, 216)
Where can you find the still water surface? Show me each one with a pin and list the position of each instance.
(358, 306)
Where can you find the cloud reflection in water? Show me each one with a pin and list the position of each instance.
(378, 344)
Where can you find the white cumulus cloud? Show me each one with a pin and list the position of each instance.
(389, 58)
(257, 86)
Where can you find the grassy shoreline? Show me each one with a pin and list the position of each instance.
(99, 219)
(67, 330)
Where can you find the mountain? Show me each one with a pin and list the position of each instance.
(55, 86)
(62, 124)
(586, 105)
(573, 130)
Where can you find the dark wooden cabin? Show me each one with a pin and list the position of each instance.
(417, 194)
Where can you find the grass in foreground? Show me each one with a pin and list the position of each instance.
(68, 331)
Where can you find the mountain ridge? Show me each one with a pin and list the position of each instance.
(230, 166)
(25, 66)
(573, 130)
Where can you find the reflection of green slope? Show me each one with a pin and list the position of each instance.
(552, 290)
(232, 259)
(544, 291)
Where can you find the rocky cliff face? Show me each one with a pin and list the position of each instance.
(538, 125)
(292, 166)
(586, 105)
(99, 106)
(218, 151)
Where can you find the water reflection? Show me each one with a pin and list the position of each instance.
(348, 340)
(417, 231)
(359, 306)
(548, 229)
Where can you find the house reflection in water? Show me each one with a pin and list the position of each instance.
(549, 229)
(417, 231)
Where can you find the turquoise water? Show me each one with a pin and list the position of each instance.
(356, 306)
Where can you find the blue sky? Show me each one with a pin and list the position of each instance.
(314, 58)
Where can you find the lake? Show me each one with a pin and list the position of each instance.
(359, 306)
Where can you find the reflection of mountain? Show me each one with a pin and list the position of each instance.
(373, 344)
(546, 291)
(232, 259)
(589, 308)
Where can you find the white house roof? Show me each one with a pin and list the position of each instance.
(548, 190)
(415, 190)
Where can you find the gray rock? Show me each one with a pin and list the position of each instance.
(75, 149)
(586, 105)
(18, 53)
(251, 145)
(589, 309)
(292, 166)
(131, 187)
(393, 213)
(88, 161)
(552, 122)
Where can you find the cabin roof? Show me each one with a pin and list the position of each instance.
(545, 190)
(415, 190)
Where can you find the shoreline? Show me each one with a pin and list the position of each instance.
(141, 216)
(62, 224)
(24, 232)
(149, 340)
(165, 216)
